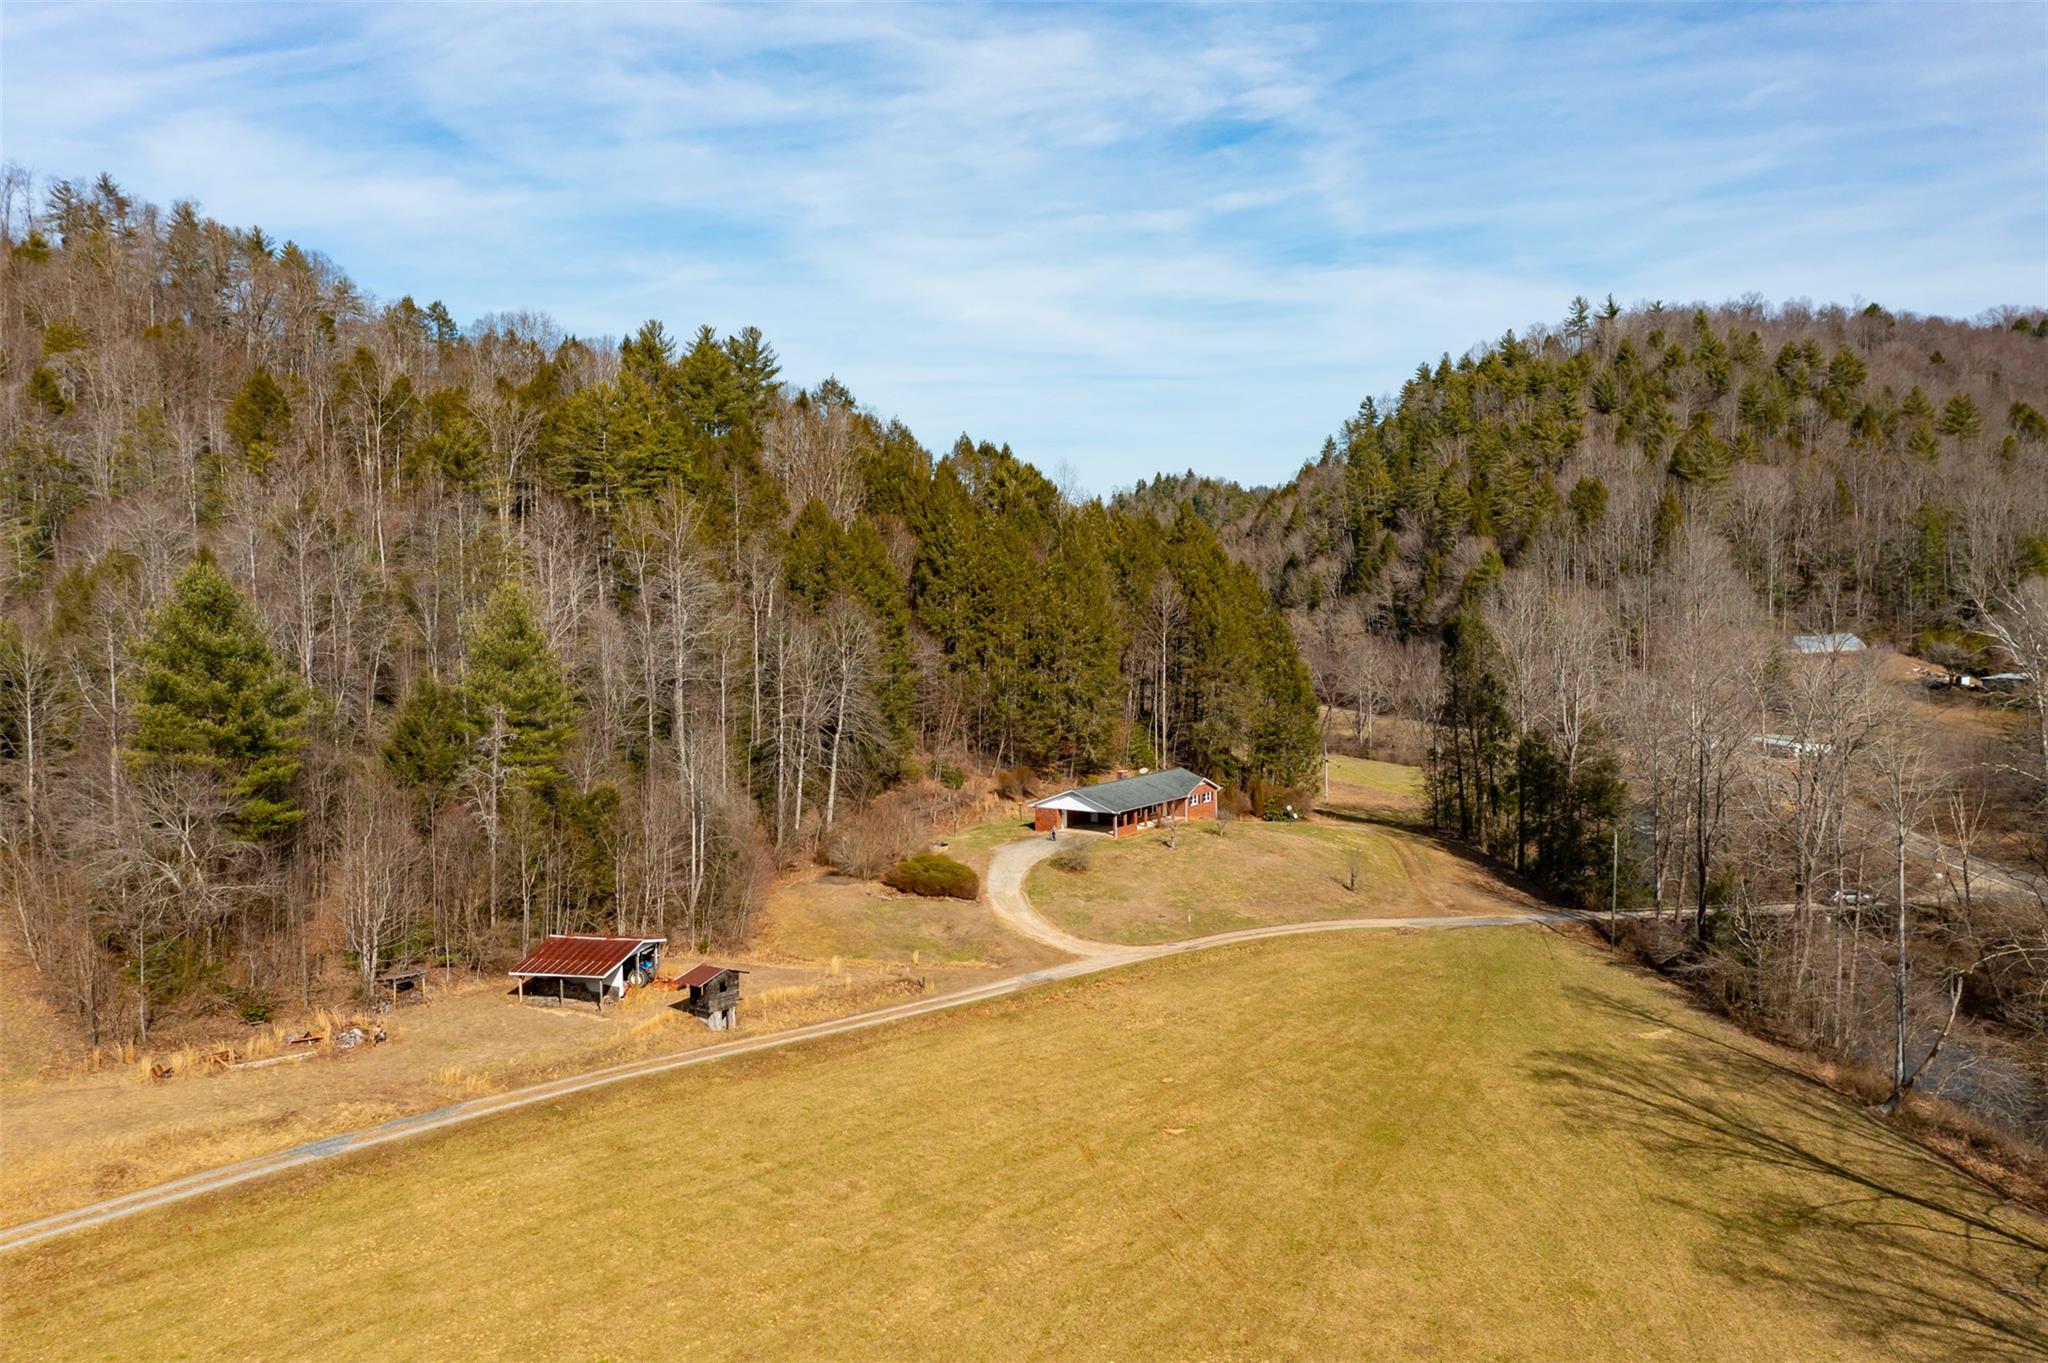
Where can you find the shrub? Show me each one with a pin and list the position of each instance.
(934, 876)
(1949, 647)
(1015, 783)
(869, 841)
(951, 776)
(1273, 801)
(1075, 858)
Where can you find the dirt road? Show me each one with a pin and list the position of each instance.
(1007, 869)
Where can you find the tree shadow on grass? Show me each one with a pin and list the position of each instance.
(1811, 1198)
(1420, 830)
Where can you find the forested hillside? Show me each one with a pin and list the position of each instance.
(1560, 516)
(1859, 465)
(1580, 555)
(341, 633)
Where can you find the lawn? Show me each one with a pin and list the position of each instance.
(1359, 782)
(1138, 890)
(863, 922)
(1478, 1144)
(973, 844)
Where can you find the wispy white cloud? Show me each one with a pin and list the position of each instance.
(1121, 239)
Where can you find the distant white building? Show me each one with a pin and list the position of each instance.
(1785, 745)
(1826, 643)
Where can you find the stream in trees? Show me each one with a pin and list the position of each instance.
(1985, 1076)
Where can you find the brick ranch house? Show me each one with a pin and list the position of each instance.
(1128, 804)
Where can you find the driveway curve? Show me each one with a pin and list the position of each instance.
(1008, 867)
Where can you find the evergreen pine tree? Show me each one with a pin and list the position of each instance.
(755, 365)
(213, 697)
(1960, 419)
(259, 420)
(1579, 324)
(1071, 651)
(510, 676)
(1668, 524)
(429, 742)
(1588, 503)
(452, 441)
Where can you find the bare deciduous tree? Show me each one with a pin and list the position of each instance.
(808, 448)
(375, 871)
(2016, 616)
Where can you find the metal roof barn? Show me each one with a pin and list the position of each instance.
(579, 957)
(598, 966)
(1826, 643)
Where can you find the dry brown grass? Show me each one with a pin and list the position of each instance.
(1444, 1145)
(796, 1005)
(76, 1133)
(1250, 873)
(833, 919)
(200, 1058)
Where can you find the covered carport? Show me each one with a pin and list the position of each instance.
(1071, 810)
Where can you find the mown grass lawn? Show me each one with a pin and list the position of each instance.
(862, 921)
(1377, 782)
(1218, 878)
(973, 844)
(1461, 1145)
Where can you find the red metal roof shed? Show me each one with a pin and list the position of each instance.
(580, 957)
(704, 974)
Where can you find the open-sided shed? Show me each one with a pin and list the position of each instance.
(599, 967)
(403, 983)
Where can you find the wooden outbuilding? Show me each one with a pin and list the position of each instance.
(597, 967)
(404, 982)
(712, 992)
(1129, 804)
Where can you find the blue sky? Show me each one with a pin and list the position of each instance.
(1123, 239)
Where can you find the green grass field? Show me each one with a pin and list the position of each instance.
(1376, 782)
(1461, 1145)
(1138, 890)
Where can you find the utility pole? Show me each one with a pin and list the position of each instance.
(1614, 888)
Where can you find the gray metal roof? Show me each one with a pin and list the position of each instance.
(1135, 792)
(1826, 643)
